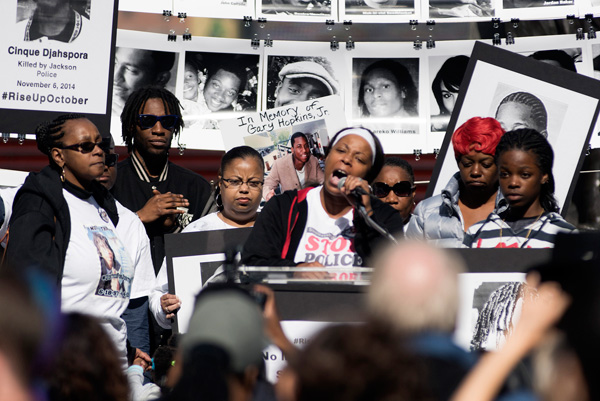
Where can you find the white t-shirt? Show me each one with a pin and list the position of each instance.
(132, 233)
(98, 271)
(326, 240)
(209, 222)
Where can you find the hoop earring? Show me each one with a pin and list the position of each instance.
(62, 175)
(219, 201)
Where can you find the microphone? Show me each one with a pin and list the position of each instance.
(356, 193)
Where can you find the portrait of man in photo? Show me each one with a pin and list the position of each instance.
(60, 20)
(136, 68)
(299, 80)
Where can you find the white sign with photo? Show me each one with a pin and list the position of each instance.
(297, 10)
(490, 305)
(141, 59)
(385, 95)
(213, 85)
(380, 10)
(269, 131)
(216, 8)
(566, 98)
(65, 72)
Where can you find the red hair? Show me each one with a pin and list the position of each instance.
(479, 134)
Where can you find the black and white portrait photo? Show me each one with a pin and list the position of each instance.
(60, 20)
(136, 68)
(535, 3)
(497, 307)
(460, 8)
(445, 88)
(296, 7)
(516, 109)
(379, 7)
(218, 83)
(385, 89)
(293, 79)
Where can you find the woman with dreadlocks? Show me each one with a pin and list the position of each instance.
(524, 158)
(58, 213)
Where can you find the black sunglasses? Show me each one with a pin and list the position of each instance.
(402, 189)
(111, 159)
(87, 147)
(146, 121)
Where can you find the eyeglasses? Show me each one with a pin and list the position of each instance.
(87, 147)
(235, 183)
(146, 121)
(402, 189)
(111, 159)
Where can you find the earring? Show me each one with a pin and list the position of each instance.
(62, 175)
(219, 201)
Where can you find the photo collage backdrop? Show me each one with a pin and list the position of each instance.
(369, 10)
(405, 96)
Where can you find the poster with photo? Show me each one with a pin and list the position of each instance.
(214, 86)
(594, 52)
(380, 10)
(446, 66)
(145, 6)
(489, 306)
(56, 59)
(384, 96)
(294, 72)
(523, 93)
(141, 59)
(563, 51)
(459, 10)
(536, 9)
(236, 9)
(297, 10)
(269, 131)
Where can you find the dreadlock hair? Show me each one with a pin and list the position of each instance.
(537, 111)
(479, 134)
(48, 134)
(529, 140)
(136, 103)
(496, 316)
(403, 164)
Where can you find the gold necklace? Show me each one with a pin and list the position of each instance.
(528, 232)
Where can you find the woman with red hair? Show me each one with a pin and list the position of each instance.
(472, 193)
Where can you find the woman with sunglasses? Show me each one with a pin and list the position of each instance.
(471, 194)
(56, 215)
(238, 195)
(318, 227)
(395, 185)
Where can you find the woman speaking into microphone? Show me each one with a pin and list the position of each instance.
(319, 226)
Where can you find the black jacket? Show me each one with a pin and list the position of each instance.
(280, 225)
(40, 224)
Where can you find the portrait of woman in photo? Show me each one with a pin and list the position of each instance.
(387, 89)
(445, 88)
(380, 6)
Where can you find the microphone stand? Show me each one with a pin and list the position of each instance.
(362, 211)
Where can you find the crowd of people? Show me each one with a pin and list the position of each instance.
(86, 286)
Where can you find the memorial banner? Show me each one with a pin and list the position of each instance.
(56, 59)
